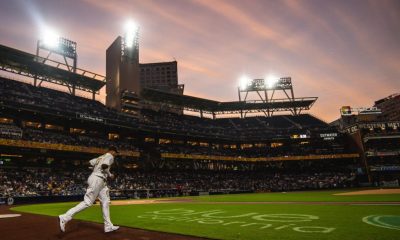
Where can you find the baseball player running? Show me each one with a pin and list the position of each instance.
(97, 189)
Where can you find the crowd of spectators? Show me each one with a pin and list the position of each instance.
(254, 128)
(266, 150)
(48, 182)
(189, 124)
(48, 136)
(61, 137)
(43, 182)
(40, 182)
(251, 128)
(57, 102)
(212, 181)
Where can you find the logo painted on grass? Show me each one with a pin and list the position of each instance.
(384, 221)
(253, 219)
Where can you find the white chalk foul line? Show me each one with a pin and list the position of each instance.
(9, 215)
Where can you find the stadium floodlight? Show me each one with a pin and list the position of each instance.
(244, 82)
(50, 38)
(271, 81)
(131, 31)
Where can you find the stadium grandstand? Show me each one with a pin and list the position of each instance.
(47, 136)
(376, 138)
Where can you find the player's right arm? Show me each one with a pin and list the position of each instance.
(106, 165)
(93, 162)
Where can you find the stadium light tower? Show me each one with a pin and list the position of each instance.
(51, 43)
(130, 41)
(265, 90)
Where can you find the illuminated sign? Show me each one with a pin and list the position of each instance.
(295, 136)
(328, 136)
(348, 111)
(345, 111)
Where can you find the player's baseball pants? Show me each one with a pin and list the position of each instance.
(97, 188)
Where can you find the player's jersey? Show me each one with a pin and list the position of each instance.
(97, 162)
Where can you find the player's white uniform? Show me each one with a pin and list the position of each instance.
(97, 188)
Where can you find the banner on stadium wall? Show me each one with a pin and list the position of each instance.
(6, 201)
(257, 159)
(11, 132)
(10, 201)
(382, 154)
(394, 183)
(389, 153)
(62, 147)
(381, 125)
(90, 117)
(384, 168)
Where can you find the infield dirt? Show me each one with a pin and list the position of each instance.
(371, 192)
(32, 227)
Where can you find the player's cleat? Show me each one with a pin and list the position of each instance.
(62, 222)
(111, 229)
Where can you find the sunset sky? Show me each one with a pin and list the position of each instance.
(345, 52)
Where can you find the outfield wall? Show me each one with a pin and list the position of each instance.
(115, 195)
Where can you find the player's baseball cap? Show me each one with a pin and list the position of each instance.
(113, 148)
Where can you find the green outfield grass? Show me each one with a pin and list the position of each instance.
(314, 196)
(205, 218)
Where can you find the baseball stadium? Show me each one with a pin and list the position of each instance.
(173, 165)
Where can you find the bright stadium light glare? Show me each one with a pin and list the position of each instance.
(244, 82)
(131, 29)
(50, 38)
(271, 81)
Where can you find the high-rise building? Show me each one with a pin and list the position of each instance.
(390, 107)
(122, 71)
(126, 77)
(162, 76)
